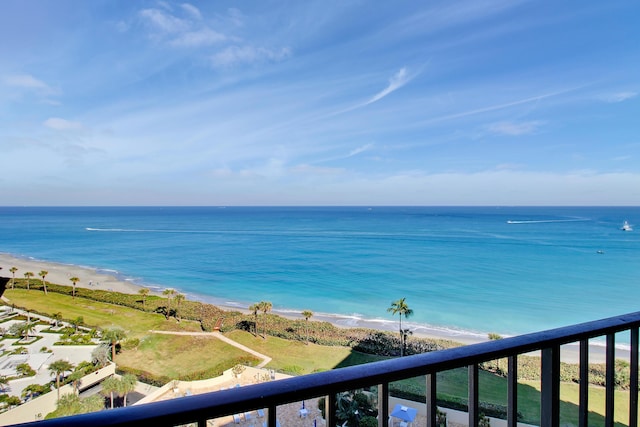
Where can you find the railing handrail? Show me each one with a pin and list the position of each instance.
(270, 394)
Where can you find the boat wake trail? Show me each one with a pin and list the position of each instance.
(542, 221)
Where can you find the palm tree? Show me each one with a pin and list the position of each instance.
(109, 386)
(178, 298)
(75, 378)
(127, 385)
(57, 317)
(307, 315)
(58, 368)
(4, 382)
(43, 274)
(74, 280)
(401, 308)
(113, 336)
(13, 272)
(265, 307)
(77, 322)
(68, 404)
(144, 292)
(255, 308)
(27, 276)
(169, 293)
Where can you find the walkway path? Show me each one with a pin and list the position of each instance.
(265, 359)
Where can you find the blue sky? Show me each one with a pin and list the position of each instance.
(479, 102)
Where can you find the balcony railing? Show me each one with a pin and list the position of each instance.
(198, 409)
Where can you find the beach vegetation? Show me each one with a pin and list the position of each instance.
(35, 390)
(71, 404)
(9, 402)
(237, 370)
(28, 275)
(43, 274)
(265, 307)
(492, 336)
(100, 355)
(113, 336)
(127, 385)
(178, 298)
(144, 293)
(57, 317)
(307, 314)
(58, 368)
(110, 386)
(13, 271)
(169, 293)
(74, 281)
(401, 308)
(254, 309)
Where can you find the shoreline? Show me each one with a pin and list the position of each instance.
(95, 278)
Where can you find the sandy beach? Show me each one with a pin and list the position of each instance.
(61, 273)
(98, 279)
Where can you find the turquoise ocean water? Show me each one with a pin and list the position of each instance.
(507, 270)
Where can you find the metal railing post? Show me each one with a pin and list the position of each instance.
(431, 400)
(633, 380)
(550, 387)
(512, 390)
(473, 396)
(330, 410)
(383, 405)
(583, 406)
(610, 380)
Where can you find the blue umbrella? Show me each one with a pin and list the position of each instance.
(405, 413)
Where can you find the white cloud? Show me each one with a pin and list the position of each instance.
(61, 124)
(164, 21)
(234, 55)
(191, 10)
(25, 81)
(398, 80)
(203, 37)
(514, 128)
(360, 149)
(619, 96)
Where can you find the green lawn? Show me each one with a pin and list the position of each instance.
(96, 314)
(294, 357)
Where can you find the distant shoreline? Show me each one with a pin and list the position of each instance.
(92, 278)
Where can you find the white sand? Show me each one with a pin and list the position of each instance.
(61, 273)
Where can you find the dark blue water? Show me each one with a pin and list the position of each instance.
(458, 267)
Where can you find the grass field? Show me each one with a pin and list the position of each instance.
(183, 356)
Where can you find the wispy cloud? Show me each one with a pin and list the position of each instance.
(235, 55)
(514, 128)
(57, 123)
(192, 10)
(360, 149)
(497, 107)
(202, 37)
(25, 81)
(164, 21)
(30, 83)
(619, 96)
(398, 80)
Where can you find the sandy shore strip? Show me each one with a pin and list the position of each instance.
(61, 273)
(91, 278)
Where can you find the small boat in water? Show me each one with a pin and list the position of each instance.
(626, 227)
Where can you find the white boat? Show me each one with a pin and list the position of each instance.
(626, 227)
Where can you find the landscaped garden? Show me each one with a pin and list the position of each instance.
(310, 347)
